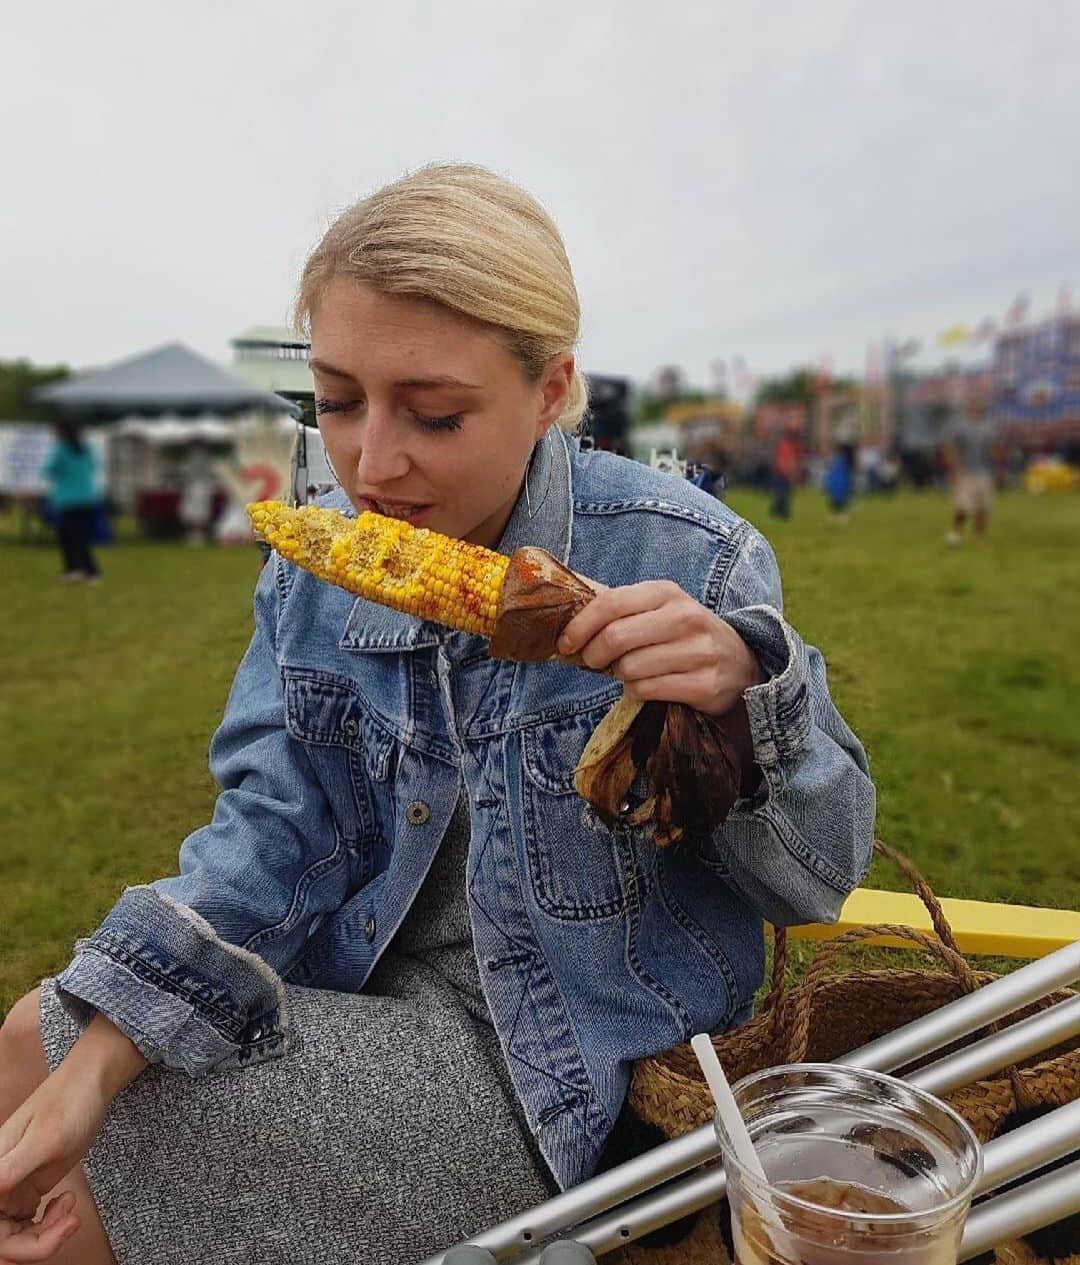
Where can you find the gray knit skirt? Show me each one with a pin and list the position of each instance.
(387, 1133)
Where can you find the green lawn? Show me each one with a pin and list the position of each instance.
(958, 669)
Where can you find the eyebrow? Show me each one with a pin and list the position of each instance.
(331, 371)
(440, 380)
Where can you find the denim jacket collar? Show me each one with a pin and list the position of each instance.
(544, 519)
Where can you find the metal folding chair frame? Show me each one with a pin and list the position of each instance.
(682, 1176)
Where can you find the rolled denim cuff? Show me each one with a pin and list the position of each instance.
(185, 997)
(779, 709)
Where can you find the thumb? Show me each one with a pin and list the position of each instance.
(25, 1158)
(10, 1138)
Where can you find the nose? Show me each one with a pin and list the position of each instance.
(381, 460)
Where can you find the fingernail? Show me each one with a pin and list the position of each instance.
(564, 645)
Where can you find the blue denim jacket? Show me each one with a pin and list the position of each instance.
(347, 736)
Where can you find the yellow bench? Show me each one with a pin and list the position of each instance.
(1014, 931)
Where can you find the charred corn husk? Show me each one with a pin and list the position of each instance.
(385, 560)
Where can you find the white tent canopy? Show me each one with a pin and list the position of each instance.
(176, 430)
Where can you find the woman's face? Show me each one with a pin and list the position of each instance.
(425, 414)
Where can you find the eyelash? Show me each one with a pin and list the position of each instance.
(452, 421)
(334, 406)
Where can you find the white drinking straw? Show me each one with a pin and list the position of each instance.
(734, 1124)
(730, 1116)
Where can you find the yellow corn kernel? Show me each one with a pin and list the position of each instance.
(385, 560)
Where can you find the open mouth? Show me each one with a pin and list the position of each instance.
(407, 511)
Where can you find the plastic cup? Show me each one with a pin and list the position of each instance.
(859, 1167)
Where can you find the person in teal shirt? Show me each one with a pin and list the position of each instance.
(71, 469)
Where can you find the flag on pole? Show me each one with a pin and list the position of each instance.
(954, 336)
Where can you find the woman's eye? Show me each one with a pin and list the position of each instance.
(452, 421)
(335, 406)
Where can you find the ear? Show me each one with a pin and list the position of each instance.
(554, 387)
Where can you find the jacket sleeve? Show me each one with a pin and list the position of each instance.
(803, 841)
(190, 967)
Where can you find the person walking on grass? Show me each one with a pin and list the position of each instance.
(839, 481)
(787, 460)
(70, 469)
(395, 992)
(969, 457)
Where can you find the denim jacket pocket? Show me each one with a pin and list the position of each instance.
(347, 751)
(573, 857)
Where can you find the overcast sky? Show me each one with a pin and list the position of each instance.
(772, 180)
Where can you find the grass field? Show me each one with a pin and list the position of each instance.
(958, 669)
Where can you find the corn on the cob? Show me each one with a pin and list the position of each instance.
(521, 603)
(411, 569)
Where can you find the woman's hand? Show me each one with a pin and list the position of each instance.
(663, 646)
(38, 1240)
(40, 1143)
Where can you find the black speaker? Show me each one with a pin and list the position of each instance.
(607, 420)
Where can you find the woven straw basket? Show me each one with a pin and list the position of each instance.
(826, 1016)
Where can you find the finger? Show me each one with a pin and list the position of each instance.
(631, 632)
(34, 1243)
(23, 1201)
(628, 599)
(28, 1163)
(20, 1198)
(19, 1161)
(56, 1209)
(22, 1204)
(9, 1143)
(691, 688)
(671, 658)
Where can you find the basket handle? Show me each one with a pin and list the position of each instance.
(795, 1016)
(921, 888)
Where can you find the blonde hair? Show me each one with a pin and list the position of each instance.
(459, 235)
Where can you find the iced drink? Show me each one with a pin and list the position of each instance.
(860, 1167)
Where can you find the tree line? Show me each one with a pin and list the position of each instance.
(19, 379)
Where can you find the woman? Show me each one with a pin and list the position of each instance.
(394, 994)
(70, 468)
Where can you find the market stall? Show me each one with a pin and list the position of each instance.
(171, 416)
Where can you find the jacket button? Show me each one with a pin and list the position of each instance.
(369, 930)
(349, 727)
(417, 813)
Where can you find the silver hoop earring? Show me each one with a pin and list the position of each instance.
(528, 470)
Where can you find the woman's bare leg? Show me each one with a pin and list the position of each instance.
(23, 1067)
